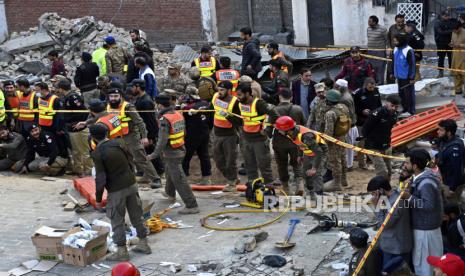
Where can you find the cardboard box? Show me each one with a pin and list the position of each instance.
(94, 250)
(48, 243)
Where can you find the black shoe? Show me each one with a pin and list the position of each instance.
(156, 184)
(242, 171)
(328, 176)
(139, 174)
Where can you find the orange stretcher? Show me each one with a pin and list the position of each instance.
(423, 123)
(86, 187)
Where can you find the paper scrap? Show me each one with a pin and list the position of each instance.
(44, 266)
(232, 206)
(208, 234)
(223, 221)
(21, 270)
(191, 268)
(105, 266)
(50, 232)
(217, 193)
(174, 205)
(96, 266)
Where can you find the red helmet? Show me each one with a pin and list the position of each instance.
(284, 123)
(125, 269)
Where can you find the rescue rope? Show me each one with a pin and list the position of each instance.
(380, 230)
(156, 225)
(417, 64)
(203, 221)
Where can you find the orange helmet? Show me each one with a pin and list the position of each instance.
(284, 123)
(125, 269)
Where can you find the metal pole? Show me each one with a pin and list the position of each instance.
(249, 8)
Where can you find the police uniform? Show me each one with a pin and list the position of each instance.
(336, 155)
(78, 138)
(170, 146)
(48, 150)
(377, 134)
(133, 129)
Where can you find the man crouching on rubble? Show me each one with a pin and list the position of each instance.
(115, 173)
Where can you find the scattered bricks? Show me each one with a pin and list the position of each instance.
(243, 269)
(70, 206)
(298, 266)
(245, 244)
(226, 272)
(260, 236)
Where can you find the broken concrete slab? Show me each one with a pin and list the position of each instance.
(245, 244)
(22, 44)
(34, 67)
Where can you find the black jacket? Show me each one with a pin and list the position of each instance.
(365, 100)
(416, 40)
(198, 125)
(377, 129)
(443, 32)
(74, 101)
(113, 166)
(251, 56)
(86, 76)
(451, 159)
(45, 146)
(133, 72)
(146, 103)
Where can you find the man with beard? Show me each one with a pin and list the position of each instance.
(206, 63)
(174, 80)
(251, 57)
(134, 134)
(226, 135)
(451, 158)
(141, 52)
(255, 146)
(426, 210)
(275, 53)
(137, 38)
(355, 69)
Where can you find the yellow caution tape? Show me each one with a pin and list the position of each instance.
(348, 48)
(418, 64)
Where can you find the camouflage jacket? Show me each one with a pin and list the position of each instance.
(179, 84)
(116, 58)
(316, 119)
(331, 118)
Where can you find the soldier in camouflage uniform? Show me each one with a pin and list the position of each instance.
(174, 80)
(116, 58)
(336, 155)
(316, 118)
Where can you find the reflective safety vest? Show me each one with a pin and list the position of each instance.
(283, 68)
(228, 75)
(113, 124)
(177, 129)
(302, 146)
(26, 107)
(2, 107)
(122, 116)
(252, 122)
(14, 103)
(46, 112)
(206, 68)
(220, 105)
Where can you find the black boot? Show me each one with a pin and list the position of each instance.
(328, 176)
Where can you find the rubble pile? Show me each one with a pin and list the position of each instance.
(70, 37)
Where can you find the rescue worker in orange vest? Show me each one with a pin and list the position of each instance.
(28, 102)
(313, 153)
(206, 64)
(226, 133)
(226, 73)
(134, 134)
(255, 135)
(275, 53)
(49, 119)
(11, 103)
(170, 146)
(3, 107)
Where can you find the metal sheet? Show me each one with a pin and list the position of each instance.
(184, 53)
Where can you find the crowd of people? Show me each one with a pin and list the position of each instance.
(124, 123)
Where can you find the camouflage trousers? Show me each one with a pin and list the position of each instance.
(337, 163)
